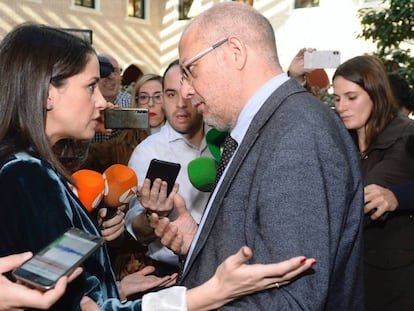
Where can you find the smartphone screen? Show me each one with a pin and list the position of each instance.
(167, 171)
(59, 258)
(126, 118)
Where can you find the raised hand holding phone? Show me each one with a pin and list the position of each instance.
(321, 59)
(166, 171)
(159, 187)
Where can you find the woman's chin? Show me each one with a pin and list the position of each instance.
(87, 135)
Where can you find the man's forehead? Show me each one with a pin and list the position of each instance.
(173, 74)
(189, 42)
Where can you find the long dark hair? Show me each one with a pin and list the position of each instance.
(32, 57)
(369, 73)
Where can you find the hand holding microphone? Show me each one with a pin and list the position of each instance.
(90, 187)
(121, 184)
(115, 187)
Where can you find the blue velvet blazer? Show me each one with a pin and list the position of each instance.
(36, 207)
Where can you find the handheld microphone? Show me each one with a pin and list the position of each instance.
(121, 183)
(215, 139)
(115, 186)
(90, 187)
(202, 173)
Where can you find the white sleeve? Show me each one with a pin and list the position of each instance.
(135, 209)
(139, 162)
(169, 299)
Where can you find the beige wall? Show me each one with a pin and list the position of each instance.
(130, 40)
(152, 43)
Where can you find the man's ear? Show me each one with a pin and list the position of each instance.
(238, 50)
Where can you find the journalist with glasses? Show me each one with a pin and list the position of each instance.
(148, 94)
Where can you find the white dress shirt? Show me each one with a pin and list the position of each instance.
(167, 145)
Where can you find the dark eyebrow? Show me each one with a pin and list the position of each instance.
(170, 90)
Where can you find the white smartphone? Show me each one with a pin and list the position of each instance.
(58, 259)
(322, 59)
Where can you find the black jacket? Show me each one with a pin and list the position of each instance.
(389, 244)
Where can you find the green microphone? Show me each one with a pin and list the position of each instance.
(202, 171)
(215, 139)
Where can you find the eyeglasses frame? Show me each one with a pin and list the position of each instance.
(186, 72)
(150, 98)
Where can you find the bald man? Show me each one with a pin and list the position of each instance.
(293, 185)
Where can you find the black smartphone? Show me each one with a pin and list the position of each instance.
(167, 171)
(126, 118)
(58, 259)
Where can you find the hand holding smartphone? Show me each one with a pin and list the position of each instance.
(58, 259)
(321, 59)
(166, 171)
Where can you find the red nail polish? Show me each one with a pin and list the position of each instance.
(302, 261)
(313, 263)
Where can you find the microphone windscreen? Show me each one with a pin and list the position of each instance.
(89, 188)
(214, 139)
(121, 183)
(202, 173)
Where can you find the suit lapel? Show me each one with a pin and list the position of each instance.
(261, 118)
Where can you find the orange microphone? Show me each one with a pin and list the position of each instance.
(90, 186)
(121, 183)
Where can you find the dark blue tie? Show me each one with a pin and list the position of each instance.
(229, 146)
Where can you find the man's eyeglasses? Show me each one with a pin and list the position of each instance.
(186, 66)
(144, 99)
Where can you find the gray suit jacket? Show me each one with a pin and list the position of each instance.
(293, 188)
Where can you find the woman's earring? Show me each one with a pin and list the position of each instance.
(49, 107)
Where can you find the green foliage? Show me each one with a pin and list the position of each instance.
(327, 98)
(389, 26)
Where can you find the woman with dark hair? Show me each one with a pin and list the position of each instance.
(49, 93)
(364, 101)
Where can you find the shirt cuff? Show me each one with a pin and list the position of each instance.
(169, 299)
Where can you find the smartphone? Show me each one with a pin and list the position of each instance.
(126, 118)
(58, 259)
(167, 171)
(322, 59)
